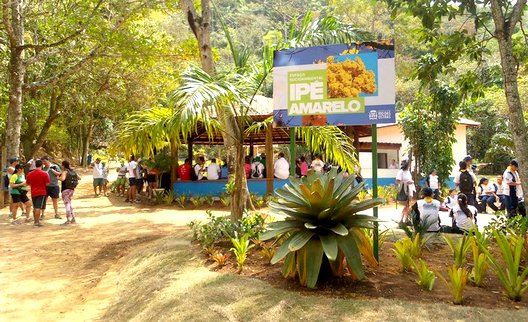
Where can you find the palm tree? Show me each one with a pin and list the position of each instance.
(221, 101)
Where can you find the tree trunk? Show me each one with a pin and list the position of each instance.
(54, 112)
(503, 33)
(87, 136)
(232, 134)
(14, 25)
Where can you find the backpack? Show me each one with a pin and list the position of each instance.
(71, 180)
(256, 172)
(466, 183)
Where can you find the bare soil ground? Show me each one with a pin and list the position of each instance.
(54, 272)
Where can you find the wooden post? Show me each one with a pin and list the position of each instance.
(190, 150)
(269, 160)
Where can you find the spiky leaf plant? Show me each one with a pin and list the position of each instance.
(321, 220)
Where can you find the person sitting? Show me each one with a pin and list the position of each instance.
(257, 168)
(247, 166)
(499, 192)
(184, 171)
(224, 170)
(463, 216)
(486, 195)
(426, 211)
(281, 168)
(451, 200)
(213, 170)
(317, 163)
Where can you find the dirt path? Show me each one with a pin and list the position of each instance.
(54, 272)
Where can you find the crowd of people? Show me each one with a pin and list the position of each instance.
(470, 197)
(41, 177)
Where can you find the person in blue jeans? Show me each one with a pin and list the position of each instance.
(486, 195)
(509, 184)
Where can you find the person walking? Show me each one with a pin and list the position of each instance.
(104, 172)
(53, 171)
(38, 180)
(132, 175)
(69, 180)
(19, 193)
(406, 190)
(98, 179)
(121, 179)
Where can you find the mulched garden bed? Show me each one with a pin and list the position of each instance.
(384, 281)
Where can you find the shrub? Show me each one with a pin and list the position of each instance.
(209, 199)
(240, 248)
(168, 198)
(225, 199)
(181, 199)
(480, 264)
(460, 249)
(457, 282)
(402, 249)
(511, 275)
(321, 220)
(220, 258)
(426, 278)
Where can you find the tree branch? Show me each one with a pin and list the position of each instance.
(517, 14)
(7, 23)
(498, 16)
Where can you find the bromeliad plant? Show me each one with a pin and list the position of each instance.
(426, 278)
(322, 221)
(458, 277)
(459, 249)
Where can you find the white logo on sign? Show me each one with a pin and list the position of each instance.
(373, 115)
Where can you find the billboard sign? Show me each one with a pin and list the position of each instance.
(347, 84)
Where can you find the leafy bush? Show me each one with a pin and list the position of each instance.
(322, 220)
(517, 225)
(168, 198)
(197, 201)
(480, 264)
(460, 249)
(181, 199)
(457, 282)
(402, 249)
(511, 275)
(426, 278)
(209, 199)
(218, 228)
(240, 248)
(220, 258)
(225, 199)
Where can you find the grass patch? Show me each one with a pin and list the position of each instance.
(167, 282)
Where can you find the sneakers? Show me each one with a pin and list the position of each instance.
(15, 222)
(42, 217)
(37, 224)
(57, 216)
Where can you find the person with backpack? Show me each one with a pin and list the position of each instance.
(466, 181)
(510, 185)
(406, 190)
(257, 169)
(70, 180)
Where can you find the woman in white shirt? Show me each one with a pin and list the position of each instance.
(463, 215)
(433, 183)
(406, 190)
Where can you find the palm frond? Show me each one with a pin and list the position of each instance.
(334, 143)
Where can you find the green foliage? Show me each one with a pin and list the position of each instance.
(510, 273)
(402, 249)
(457, 282)
(426, 278)
(181, 199)
(197, 201)
(480, 263)
(168, 198)
(322, 219)
(225, 199)
(459, 248)
(517, 225)
(209, 199)
(218, 228)
(432, 115)
(240, 248)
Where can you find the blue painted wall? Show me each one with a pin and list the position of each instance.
(256, 186)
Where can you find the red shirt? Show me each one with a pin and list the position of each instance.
(247, 168)
(38, 180)
(184, 172)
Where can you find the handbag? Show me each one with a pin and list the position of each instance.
(402, 195)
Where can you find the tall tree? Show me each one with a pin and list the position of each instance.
(484, 20)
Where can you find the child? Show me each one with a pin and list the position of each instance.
(451, 200)
(463, 215)
(432, 182)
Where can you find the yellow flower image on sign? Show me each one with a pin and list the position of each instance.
(349, 78)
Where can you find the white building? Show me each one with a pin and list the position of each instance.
(393, 146)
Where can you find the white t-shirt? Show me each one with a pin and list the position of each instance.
(213, 171)
(198, 171)
(433, 182)
(429, 213)
(451, 202)
(281, 169)
(97, 171)
(462, 220)
(317, 165)
(132, 166)
(405, 176)
(508, 178)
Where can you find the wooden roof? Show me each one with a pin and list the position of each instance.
(261, 109)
